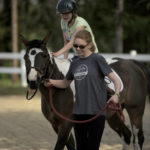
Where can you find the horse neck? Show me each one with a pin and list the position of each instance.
(63, 65)
(56, 73)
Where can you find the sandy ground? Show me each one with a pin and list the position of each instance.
(23, 127)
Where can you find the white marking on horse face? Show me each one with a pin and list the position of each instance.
(32, 56)
(125, 146)
(32, 76)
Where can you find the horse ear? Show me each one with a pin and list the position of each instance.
(23, 39)
(45, 40)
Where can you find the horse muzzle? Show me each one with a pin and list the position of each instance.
(33, 85)
(32, 89)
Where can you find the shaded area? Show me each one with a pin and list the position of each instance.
(23, 127)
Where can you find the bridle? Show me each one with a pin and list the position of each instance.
(43, 78)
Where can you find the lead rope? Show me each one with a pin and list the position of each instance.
(113, 107)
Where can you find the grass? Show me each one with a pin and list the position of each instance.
(8, 88)
(12, 90)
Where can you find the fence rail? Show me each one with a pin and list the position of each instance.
(21, 69)
(13, 70)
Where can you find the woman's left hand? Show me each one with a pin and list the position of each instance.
(114, 98)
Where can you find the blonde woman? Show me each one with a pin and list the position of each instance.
(88, 72)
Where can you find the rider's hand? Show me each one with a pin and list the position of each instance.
(54, 54)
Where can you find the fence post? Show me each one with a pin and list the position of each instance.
(23, 70)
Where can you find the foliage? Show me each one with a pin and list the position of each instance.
(101, 19)
(5, 26)
(37, 18)
(136, 26)
(8, 88)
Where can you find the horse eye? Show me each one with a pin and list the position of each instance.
(33, 52)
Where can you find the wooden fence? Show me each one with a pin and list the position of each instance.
(21, 69)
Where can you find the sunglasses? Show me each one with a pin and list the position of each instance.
(80, 46)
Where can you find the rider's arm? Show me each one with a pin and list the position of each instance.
(65, 42)
(69, 45)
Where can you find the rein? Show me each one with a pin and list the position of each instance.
(111, 105)
(27, 95)
(43, 78)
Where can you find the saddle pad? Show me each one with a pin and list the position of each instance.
(108, 81)
(110, 84)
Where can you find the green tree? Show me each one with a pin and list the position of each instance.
(38, 19)
(136, 26)
(5, 26)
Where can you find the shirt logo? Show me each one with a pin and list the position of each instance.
(81, 72)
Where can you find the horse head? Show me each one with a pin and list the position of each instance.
(38, 62)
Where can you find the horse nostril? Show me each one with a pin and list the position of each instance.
(33, 84)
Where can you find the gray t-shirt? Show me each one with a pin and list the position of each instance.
(88, 74)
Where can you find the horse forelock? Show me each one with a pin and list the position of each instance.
(35, 47)
(34, 43)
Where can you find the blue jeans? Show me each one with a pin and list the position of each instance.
(88, 135)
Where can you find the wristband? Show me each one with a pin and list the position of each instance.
(117, 94)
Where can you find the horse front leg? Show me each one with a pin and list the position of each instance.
(118, 126)
(65, 137)
(71, 142)
(138, 138)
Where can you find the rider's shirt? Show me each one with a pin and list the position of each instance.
(69, 31)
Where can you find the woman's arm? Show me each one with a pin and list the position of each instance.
(58, 83)
(69, 45)
(117, 85)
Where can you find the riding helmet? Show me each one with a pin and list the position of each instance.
(66, 6)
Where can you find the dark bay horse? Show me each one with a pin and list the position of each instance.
(40, 65)
(132, 98)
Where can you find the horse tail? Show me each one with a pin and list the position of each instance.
(146, 71)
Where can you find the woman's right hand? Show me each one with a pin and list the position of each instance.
(47, 83)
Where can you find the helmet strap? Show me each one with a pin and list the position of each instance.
(73, 17)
